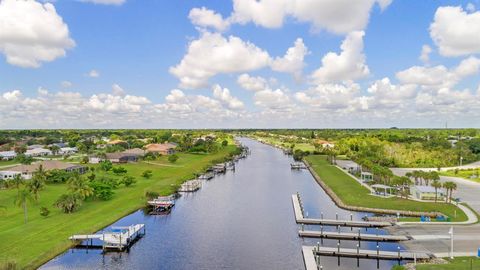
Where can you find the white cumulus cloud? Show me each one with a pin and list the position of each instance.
(32, 33)
(455, 31)
(207, 18)
(292, 62)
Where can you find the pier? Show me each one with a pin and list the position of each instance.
(297, 166)
(354, 236)
(300, 219)
(118, 238)
(190, 186)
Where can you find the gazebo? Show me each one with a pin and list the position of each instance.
(366, 177)
(382, 189)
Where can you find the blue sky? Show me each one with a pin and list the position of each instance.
(133, 46)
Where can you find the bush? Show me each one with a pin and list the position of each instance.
(151, 194)
(128, 180)
(102, 191)
(69, 203)
(44, 212)
(147, 174)
(106, 165)
(173, 158)
(225, 143)
(119, 170)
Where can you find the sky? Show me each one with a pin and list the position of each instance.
(239, 64)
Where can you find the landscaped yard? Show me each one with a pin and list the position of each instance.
(34, 243)
(352, 193)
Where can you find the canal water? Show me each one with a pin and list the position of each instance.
(238, 220)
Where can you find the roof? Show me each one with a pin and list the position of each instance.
(427, 189)
(155, 147)
(323, 142)
(366, 173)
(46, 164)
(116, 142)
(135, 151)
(118, 155)
(37, 151)
(8, 153)
(380, 186)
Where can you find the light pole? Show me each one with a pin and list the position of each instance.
(451, 242)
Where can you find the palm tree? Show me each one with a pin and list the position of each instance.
(68, 202)
(54, 148)
(23, 196)
(17, 181)
(436, 184)
(450, 187)
(79, 186)
(37, 183)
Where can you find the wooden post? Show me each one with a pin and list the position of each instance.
(358, 255)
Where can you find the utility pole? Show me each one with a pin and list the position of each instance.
(451, 242)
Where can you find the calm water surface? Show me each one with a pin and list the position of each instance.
(240, 220)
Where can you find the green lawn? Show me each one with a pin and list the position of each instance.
(466, 174)
(352, 193)
(460, 263)
(4, 163)
(34, 243)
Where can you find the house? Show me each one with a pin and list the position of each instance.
(135, 151)
(427, 193)
(121, 157)
(26, 171)
(325, 144)
(38, 152)
(95, 159)
(67, 150)
(7, 155)
(164, 148)
(33, 146)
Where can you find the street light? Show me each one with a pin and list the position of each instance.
(451, 242)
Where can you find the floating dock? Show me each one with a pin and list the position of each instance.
(300, 219)
(119, 238)
(162, 204)
(297, 166)
(353, 236)
(206, 176)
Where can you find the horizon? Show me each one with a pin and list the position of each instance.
(129, 64)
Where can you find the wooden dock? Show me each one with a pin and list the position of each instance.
(354, 236)
(119, 238)
(370, 254)
(190, 186)
(300, 219)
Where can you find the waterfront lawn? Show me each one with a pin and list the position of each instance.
(352, 193)
(459, 263)
(465, 174)
(34, 243)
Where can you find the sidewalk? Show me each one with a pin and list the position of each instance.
(472, 219)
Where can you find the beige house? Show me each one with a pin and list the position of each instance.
(26, 171)
(164, 148)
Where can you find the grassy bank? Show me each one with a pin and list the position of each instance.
(354, 194)
(460, 263)
(468, 174)
(34, 243)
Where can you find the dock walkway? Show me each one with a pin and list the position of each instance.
(354, 236)
(300, 219)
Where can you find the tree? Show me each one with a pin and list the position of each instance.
(119, 170)
(450, 187)
(79, 186)
(298, 155)
(54, 148)
(20, 149)
(173, 158)
(17, 181)
(69, 203)
(147, 174)
(37, 183)
(436, 184)
(102, 191)
(23, 159)
(224, 143)
(23, 196)
(106, 165)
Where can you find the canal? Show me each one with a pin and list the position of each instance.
(238, 220)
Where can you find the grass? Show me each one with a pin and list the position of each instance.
(466, 174)
(354, 194)
(32, 244)
(4, 163)
(459, 263)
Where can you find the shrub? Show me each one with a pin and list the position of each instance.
(225, 143)
(173, 158)
(151, 194)
(106, 165)
(119, 170)
(69, 203)
(102, 191)
(44, 212)
(128, 180)
(147, 174)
